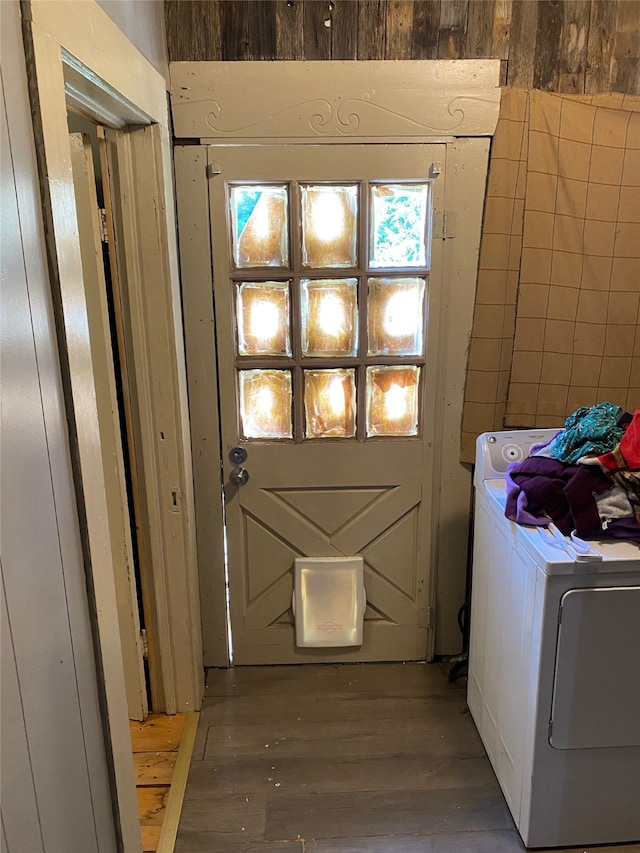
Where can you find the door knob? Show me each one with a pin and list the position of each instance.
(238, 455)
(239, 476)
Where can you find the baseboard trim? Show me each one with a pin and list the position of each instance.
(169, 831)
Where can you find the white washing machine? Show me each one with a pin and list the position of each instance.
(554, 667)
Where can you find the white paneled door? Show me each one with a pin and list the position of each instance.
(326, 287)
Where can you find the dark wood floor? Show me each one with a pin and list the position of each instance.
(356, 758)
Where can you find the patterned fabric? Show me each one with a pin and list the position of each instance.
(627, 454)
(558, 292)
(591, 430)
(622, 464)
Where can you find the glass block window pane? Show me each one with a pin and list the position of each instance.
(329, 226)
(265, 403)
(259, 226)
(329, 317)
(263, 318)
(396, 316)
(399, 225)
(329, 402)
(392, 400)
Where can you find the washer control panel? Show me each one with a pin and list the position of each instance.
(496, 450)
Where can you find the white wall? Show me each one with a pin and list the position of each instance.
(142, 21)
(54, 783)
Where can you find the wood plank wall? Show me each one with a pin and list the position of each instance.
(571, 46)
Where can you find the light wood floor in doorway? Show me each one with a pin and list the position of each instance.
(360, 758)
(162, 748)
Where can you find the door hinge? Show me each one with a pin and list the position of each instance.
(444, 224)
(145, 643)
(213, 168)
(429, 615)
(104, 234)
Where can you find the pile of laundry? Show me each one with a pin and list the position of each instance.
(586, 479)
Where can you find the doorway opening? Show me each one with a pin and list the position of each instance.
(70, 65)
(238, 153)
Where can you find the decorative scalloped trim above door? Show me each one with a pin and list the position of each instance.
(334, 101)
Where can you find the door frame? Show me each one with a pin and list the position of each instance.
(329, 102)
(121, 538)
(83, 59)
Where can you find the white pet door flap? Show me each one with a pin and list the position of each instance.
(329, 601)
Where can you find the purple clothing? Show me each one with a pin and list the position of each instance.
(518, 507)
(622, 528)
(555, 491)
(544, 448)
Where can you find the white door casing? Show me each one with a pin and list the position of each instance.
(85, 61)
(341, 103)
(65, 41)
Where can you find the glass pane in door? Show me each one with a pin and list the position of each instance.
(329, 225)
(329, 402)
(259, 225)
(265, 403)
(392, 400)
(335, 277)
(396, 316)
(262, 312)
(329, 309)
(398, 236)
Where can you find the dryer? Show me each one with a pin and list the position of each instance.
(554, 667)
